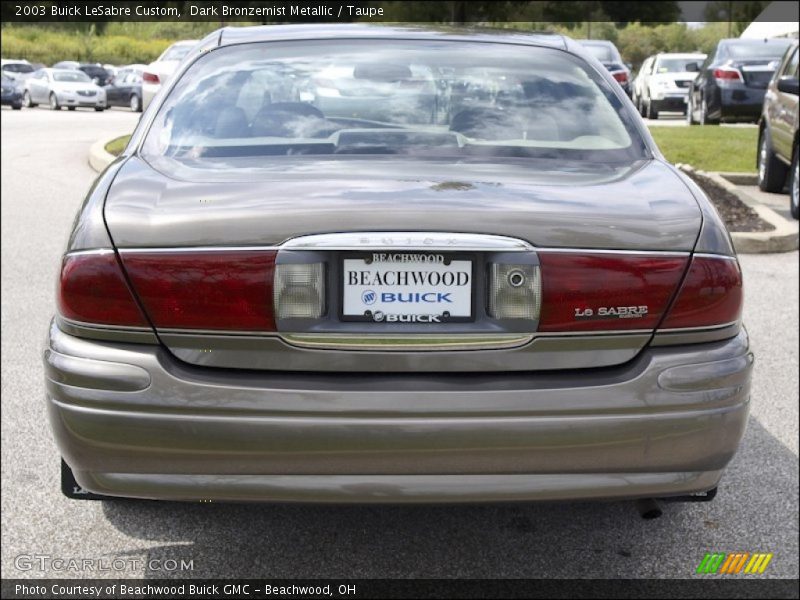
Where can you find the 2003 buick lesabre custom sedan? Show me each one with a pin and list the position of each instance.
(380, 264)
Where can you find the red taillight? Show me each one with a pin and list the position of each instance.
(596, 291)
(222, 290)
(620, 76)
(710, 295)
(593, 292)
(150, 77)
(92, 289)
(727, 74)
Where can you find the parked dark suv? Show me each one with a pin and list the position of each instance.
(777, 137)
(730, 84)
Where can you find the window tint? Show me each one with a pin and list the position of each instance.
(771, 49)
(18, 68)
(674, 65)
(601, 52)
(424, 99)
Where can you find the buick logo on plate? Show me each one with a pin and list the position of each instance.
(378, 316)
(368, 297)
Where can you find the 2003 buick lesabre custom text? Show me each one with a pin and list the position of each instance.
(383, 264)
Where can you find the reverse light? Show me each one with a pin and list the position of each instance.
(299, 291)
(148, 77)
(515, 292)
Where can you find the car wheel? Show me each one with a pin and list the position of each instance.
(704, 120)
(72, 489)
(135, 103)
(26, 100)
(794, 186)
(652, 111)
(771, 171)
(16, 106)
(70, 108)
(99, 108)
(54, 102)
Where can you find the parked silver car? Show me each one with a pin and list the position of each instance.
(63, 87)
(503, 292)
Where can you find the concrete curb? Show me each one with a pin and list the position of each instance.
(784, 238)
(99, 159)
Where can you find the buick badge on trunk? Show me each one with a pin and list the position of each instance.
(428, 266)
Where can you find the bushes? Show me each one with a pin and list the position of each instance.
(49, 47)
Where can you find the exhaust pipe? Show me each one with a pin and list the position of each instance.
(649, 508)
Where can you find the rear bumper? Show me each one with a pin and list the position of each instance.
(671, 102)
(12, 98)
(741, 103)
(132, 421)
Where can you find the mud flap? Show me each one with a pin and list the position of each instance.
(72, 489)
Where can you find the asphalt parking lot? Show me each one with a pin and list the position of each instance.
(44, 178)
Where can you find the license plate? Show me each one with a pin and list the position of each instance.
(407, 287)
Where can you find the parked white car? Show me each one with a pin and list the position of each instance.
(63, 87)
(16, 69)
(663, 83)
(159, 71)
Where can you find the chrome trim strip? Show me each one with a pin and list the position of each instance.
(218, 332)
(408, 342)
(408, 240)
(197, 249)
(518, 246)
(720, 256)
(98, 251)
(103, 327)
(603, 251)
(703, 328)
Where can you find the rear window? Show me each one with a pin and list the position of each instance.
(18, 68)
(602, 52)
(676, 65)
(421, 99)
(94, 71)
(176, 52)
(770, 49)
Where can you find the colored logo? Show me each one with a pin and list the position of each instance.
(720, 563)
(368, 297)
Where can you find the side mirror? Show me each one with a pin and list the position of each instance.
(692, 67)
(788, 85)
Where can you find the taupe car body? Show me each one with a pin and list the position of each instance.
(324, 412)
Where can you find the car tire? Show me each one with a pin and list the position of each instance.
(26, 100)
(771, 171)
(99, 108)
(70, 108)
(704, 120)
(794, 185)
(652, 111)
(16, 106)
(689, 112)
(135, 103)
(54, 102)
(72, 489)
